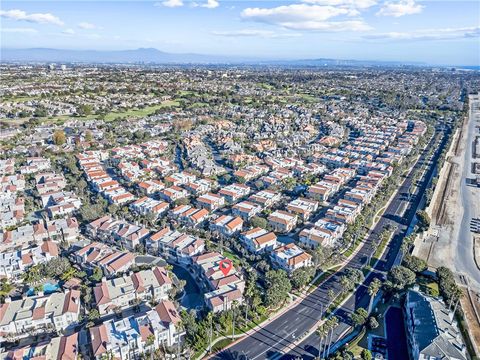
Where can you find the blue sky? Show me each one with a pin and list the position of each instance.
(436, 32)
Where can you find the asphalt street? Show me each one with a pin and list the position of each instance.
(464, 258)
(271, 341)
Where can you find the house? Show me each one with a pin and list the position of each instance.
(180, 178)
(14, 263)
(282, 221)
(432, 330)
(173, 193)
(226, 225)
(303, 208)
(149, 187)
(132, 336)
(222, 290)
(246, 209)
(234, 192)
(210, 201)
(109, 260)
(174, 245)
(194, 217)
(117, 232)
(290, 257)
(266, 198)
(320, 191)
(63, 347)
(126, 291)
(149, 206)
(57, 230)
(36, 314)
(259, 240)
(200, 186)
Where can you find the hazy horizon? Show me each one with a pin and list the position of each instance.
(432, 32)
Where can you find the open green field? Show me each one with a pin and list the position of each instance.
(149, 110)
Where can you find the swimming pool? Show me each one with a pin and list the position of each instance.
(48, 288)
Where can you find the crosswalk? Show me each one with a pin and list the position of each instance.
(475, 225)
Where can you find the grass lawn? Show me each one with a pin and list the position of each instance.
(141, 112)
(113, 115)
(428, 286)
(221, 344)
(322, 278)
(232, 256)
(380, 248)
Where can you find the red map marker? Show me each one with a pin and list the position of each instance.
(225, 266)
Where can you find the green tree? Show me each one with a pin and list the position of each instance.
(84, 110)
(93, 315)
(414, 263)
(97, 275)
(400, 278)
(366, 354)
(373, 289)
(258, 221)
(59, 137)
(423, 220)
(359, 317)
(301, 277)
(278, 287)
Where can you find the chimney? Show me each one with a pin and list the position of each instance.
(8, 300)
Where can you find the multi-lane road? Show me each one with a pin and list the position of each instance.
(469, 195)
(277, 339)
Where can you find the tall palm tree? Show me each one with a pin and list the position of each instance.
(333, 323)
(373, 289)
(234, 313)
(322, 333)
(210, 321)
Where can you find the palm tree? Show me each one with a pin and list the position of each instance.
(210, 320)
(373, 289)
(333, 323)
(234, 313)
(151, 344)
(321, 332)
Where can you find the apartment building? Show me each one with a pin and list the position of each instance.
(246, 210)
(259, 240)
(14, 263)
(211, 201)
(57, 348)
(290, 257)
(222, 290)
(38, 314)
(234, 192)
(132, 336)
(302, 207)
(124, 292)
(174, 245)
(226, 225)
(266, 198)
(282, 221)
(149, 206)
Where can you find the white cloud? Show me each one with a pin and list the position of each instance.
(38, 18)
(428, 34)
(401, 8)
(210, 4)
(68, 32)
(306, 17)
(19, 30)
(357, 4)
(87, 25)
(255, 33)
(170, 3)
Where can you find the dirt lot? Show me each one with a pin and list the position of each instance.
(469, 301)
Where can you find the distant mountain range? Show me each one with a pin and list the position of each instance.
(155, 56)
